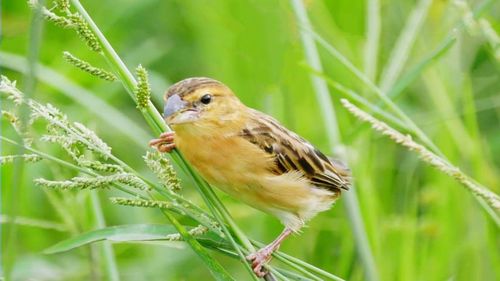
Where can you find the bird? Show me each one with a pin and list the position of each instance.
(250, 156)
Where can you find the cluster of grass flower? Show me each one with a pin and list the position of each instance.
(99, 167)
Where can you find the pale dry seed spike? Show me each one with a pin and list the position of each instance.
(100, 146)
(196, 231)
(141, 203)
(28, 158)
(14, 121)
(52, 115)
(185, 209)
(65, 133)
(18, 127)
(75, 183)
(100, 167)
(9, 88)
(67, 143)
(87, 67)
(95, 182)
(12, 118)
(142, 89)
(427, 156)
(163, 170)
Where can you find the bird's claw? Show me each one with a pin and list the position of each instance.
(258, 260)
(165, 143)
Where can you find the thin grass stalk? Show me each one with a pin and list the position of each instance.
(418, 68)
(298, 268)
(292, 275)
(302, 266)
(159, 126)
(35, 36)
(350, 93)
(320, 87)
(32, 222)
(107, 249)
(333, 134)
(278, 276)
(404, 44)
(373, 27)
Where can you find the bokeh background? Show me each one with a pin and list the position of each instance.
(421, 224)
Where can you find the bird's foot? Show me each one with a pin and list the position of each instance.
(165, 143)
(259, 259)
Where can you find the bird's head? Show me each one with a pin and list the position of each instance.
(197, 100)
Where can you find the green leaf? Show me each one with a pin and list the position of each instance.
(132, 233)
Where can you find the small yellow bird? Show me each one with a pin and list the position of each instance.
(250, 156)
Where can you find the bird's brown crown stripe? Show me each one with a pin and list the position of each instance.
(187, 86)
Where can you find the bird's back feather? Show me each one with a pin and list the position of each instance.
(291, 153)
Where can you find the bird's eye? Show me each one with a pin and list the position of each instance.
(206, 99)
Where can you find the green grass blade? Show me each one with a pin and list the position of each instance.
(404, 44)
(357, 97)
(107, 248)
(133, 232)
(373, 29)
(11, 247)
(333, 134)
(414, 72)
(33, 222)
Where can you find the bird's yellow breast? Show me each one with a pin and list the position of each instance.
(222, 159)
(243, 170)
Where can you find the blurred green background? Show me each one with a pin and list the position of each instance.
(421, 224)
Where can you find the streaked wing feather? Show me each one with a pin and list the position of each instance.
(293, 153)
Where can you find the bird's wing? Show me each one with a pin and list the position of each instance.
(293, 153)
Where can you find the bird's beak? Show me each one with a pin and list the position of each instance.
(176, 111)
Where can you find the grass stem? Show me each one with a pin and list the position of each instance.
(333, 133)
(107, 248)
